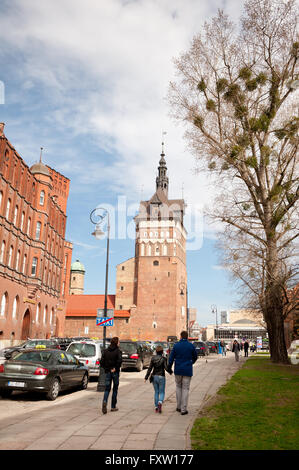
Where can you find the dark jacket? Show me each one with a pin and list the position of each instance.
(246, 346)
(158, 365)
(111, 358)
(236, 346)
(184, 355)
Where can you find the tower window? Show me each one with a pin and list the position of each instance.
(156, 263)
(121, 287)
(122, 268)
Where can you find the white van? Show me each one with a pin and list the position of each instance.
(89, 353)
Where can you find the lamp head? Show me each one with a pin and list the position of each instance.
(98, 233)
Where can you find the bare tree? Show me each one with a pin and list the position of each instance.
(236, 91)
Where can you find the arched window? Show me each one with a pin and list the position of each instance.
(10, 255)
(34, 266)
(37, 313)
(165, 250)
(15, 307)
(42, 198)
(45, 315)
(4, 302)
(17, 260)
(2, 254)
(142, 249)
(37, 232)
(24, 264)
(28, 226)
(149, 250)
(22, 220)
(156, 263)
(8, 208)
(15, 215)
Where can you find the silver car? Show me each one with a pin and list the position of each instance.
(89, 353)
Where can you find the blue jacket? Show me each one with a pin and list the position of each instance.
(184, 355)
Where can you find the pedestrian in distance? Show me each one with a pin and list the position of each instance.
(223, 348)
(156, 372)
(246, 347)
(183, 355)
(236, 349)
(111, 362)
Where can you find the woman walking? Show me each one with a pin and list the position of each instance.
(236, 350)
(158, 366)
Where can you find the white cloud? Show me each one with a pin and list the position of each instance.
(105, 67)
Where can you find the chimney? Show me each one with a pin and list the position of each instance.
(2, 129)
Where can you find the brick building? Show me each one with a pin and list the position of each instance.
(35, 257)
(151, 288)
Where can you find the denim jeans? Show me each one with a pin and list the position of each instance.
(109, 378)
(159, 386)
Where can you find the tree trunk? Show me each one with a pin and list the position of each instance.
(273, 306)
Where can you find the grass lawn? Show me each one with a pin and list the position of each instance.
(258, 409)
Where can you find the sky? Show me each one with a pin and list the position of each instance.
(88, 82)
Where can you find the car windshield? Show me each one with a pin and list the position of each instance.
(33, 343)
(82, 349)
(128, 347)
(33, 356)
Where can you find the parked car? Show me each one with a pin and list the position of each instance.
(212, 346)
(89, 353)
(63, 342)
(135, 354)
(31, 343)
(202, 348)
(42, 370)
(165, 346)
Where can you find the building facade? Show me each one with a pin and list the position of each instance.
(239, 324)
(35, 257)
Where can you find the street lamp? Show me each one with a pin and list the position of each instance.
(99, 234)
(214, 310)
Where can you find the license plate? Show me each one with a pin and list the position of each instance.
(16, 384)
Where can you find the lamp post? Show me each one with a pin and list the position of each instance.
(214, 310)
(99, 234)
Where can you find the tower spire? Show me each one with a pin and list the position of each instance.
(41, 152)
(162, 178)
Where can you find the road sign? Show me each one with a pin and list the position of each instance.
(100, 312)
(105, 321)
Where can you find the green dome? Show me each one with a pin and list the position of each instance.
(77, 266)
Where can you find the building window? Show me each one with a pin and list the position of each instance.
(15, 215)
(17, 260)
(42, 198)
(37, 313)
(45, 315)
(121, 287)
(15, 308)
(33, 267)
(37, 233)
(3, 304)
(156, 263)
(24, 264)
(2, 255)
(22, 220)
(10, 256)
(120, 307)
(28, 226)
(8, 209)
(122, 268)
(165, 250)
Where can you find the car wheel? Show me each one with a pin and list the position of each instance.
(84, 382)
(5, 393)
(140, 366)
(54, 390)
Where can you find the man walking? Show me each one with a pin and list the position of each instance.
(236, 350)
(111, 361)
(246, 346)
(183, 355)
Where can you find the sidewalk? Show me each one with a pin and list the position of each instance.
(78, 424)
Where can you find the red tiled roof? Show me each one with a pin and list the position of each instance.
(87, 305)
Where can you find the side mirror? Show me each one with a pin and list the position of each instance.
(8, 355)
